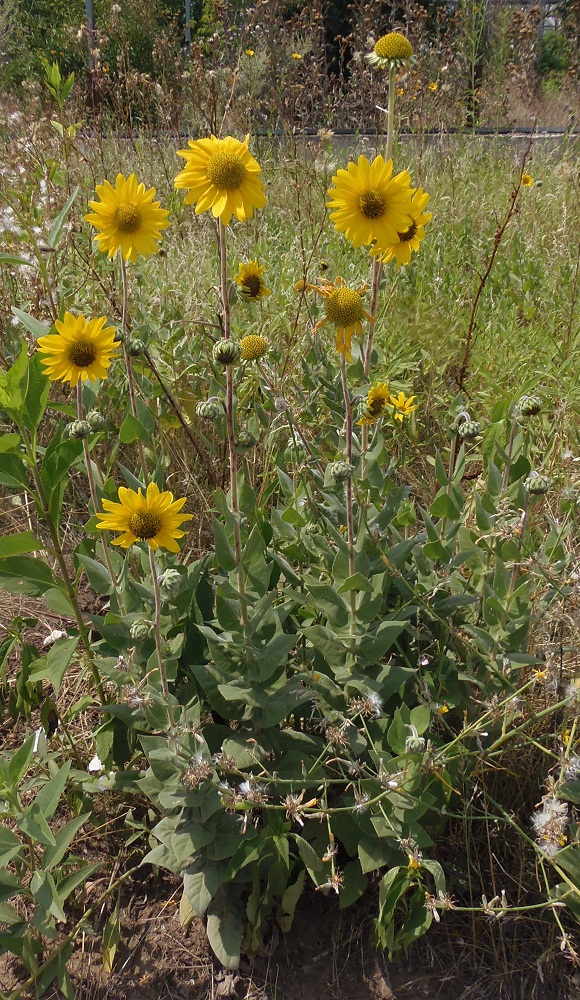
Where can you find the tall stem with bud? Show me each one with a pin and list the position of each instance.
(234, 505)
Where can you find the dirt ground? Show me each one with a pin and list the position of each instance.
(328, 955)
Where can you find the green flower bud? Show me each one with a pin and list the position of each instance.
(528, 406)
(226, 352)
(469, 429)
(536, 484)
(141, 628)
(78, 429)
(245, 441)
(95, 420)
(171, 582)
(341, 470)
(135, 347)
(210, 409)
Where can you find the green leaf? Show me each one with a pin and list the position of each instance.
(33, 326)
(10, 258)
(223, 550)
(10, 846)
(25, 575)
(98, 575)
(49, 795)
(443, 506)
(289, 900)
(374, 853)
(354, 885)
(63, 839)
(33, 823)
(308, 854)
(37, 391)
(13, 471)
(201, 885)
(9, 442)
(13, 545)
(19, 761)
(224, 928)
(13, 382)
(111, 938)
(356, 582)
(57, 226)
(72, 882)
(133, 430)
(10, 886)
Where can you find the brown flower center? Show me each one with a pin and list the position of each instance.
(409, 233)
(226, 171)
(145, 525)
(372, 204)
(344, 307)
(252, 285)
(376, 406)
(127, 218)
(82, 353)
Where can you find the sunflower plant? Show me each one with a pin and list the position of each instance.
(300, 703)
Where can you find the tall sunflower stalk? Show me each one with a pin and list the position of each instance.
(222, 175)
(377, 263)
(93, 491)
(349, 508)
(230, 422)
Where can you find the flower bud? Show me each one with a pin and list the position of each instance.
(135, 347)
(141, 628)
(78, 429)
(528, 406)
(226, 352)
(536, 484)
(210, 409)
(245, 441)
(341, 470)
(171, 582)
(280, 404)
(469, 429)
(95, 420)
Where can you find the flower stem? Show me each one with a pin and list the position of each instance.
(377, 265)
(129, 365)
(349, 511)
(92, 488)
(227, 332)
(59, 556)
(158, 641)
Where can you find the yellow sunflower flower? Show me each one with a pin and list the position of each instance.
(128, 218)
(81, 349)
(250, 53)
(377, 401)
(249, 279)
(154, 518)
(527, 180)
(433, 87)
(369, 203)
(409, 239)
(402, 406)
(344, 308)
(221, 174)
(392, 50)
(253, 347)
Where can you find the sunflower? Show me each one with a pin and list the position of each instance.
(377, 401)
(81, 349)
(153, 518)
(221, 174)
(249, 278)
(369, 203)
(408, 239)
(344, 308)
(526, 180)
(128, 218)
(253, 347)
(402, 406)
(391, 51)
